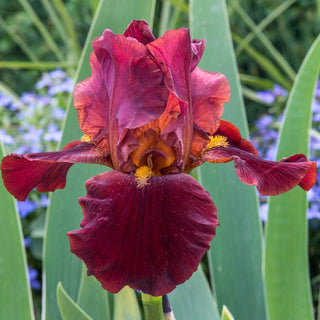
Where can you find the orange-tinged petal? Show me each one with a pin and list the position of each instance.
(209, 92)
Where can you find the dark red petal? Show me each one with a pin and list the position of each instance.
(229, 130)
(132, 79)
(174, 53)
(125, 91)
(209, 92)
(270, 177)
(139, 30)
(91, 100)
(197, 47)
(151, 238)
(46, 171)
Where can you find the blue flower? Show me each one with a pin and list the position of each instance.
(5, 138)
(266, 96)
(33, 278)
(64, 86)
(53, 133)
(58, 113)
(26, 207)
(57, 74)
(44, 200)
(45, 81)
(27, 242)
(33, 135)
(4, 100)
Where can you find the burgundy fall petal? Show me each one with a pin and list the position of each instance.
(151, 238)
(209, 92)
(139, 30)
(47, 170)
(270, 177)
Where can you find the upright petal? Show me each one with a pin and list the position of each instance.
(46, 171)
(134, 84)
(174, 53)
(140, 30)
(91, 100)
(197, 47)
(209, 92)
(151, 237)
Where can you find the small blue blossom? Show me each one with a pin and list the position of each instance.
(26, 207)
(58, 113)
(278, 91)
(269, 96)
(266, 96)
(313, 212)
(44, 200)
(6, 138)
(29, 98)
(27, 241)
(264, 122)
(53, 133)
(45, 81)
(33, 278)
(57, 74)
(263, 212)
(4, 100)
(33, 135)
(64, 86)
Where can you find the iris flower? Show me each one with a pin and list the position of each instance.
(148, 112)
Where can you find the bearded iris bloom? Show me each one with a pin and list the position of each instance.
(148, 112)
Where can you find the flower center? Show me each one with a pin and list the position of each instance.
(216, 141)
(142, 175)
(152, 152)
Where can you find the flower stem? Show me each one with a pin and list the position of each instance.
(152, 307)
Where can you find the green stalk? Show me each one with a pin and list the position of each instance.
(152, 307)
(42, 29)
(264, 40)
(18, 40)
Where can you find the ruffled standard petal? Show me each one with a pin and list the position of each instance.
(140, 30)
(209, 92)
(151, 237)
(91, 100)
(132, 79)
(46, 171)
(174, 52)
(270, 177)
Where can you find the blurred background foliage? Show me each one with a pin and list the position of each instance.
(40, 46)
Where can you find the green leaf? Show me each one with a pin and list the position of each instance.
(126, 305)
(286, 266)
(18, 40)
(282, 62)
(193, 299)
(264, 23)
(15, 294)
(226, 314)
(64, 213)
(266, 64)
(38, 65)
(236, 254)
(42, 29)
(68, 308)
(93, 298)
